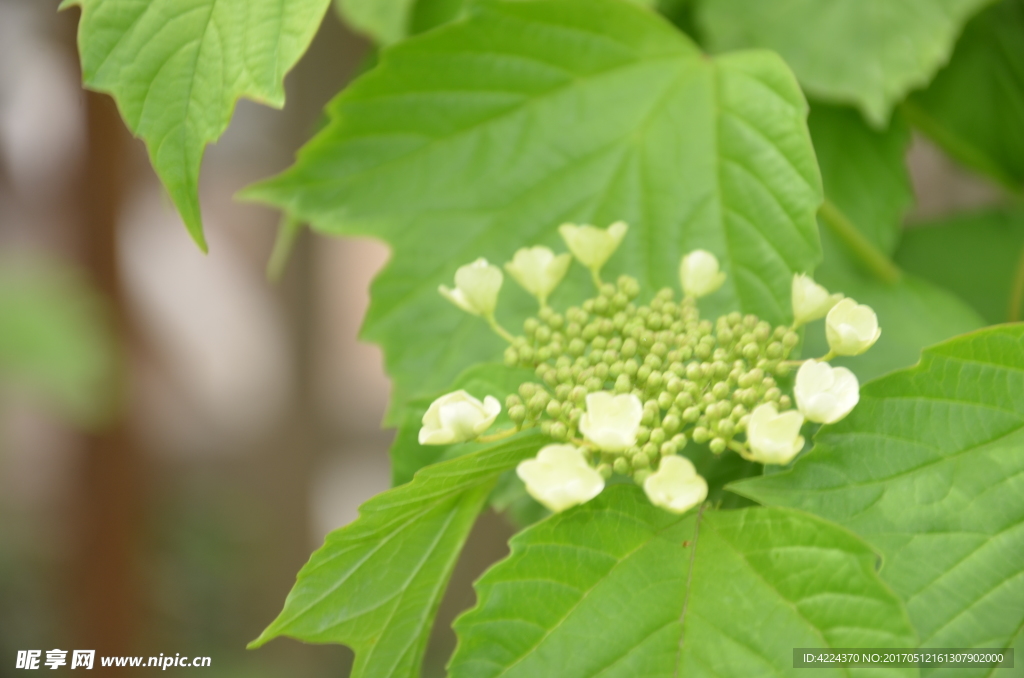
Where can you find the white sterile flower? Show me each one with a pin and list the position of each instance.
(825, 394)
(560, 478)
(476, 288)
(774, 438)
(593, 246)
(538, 270)
(699, 274)
(851, 328)
(676, 485)
(457, 417)
(611, 421)
(810, 300)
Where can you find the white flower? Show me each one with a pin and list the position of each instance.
(593, 246)
(676, 486)
(699, 274)
(560, 478)
(810, 300)
(476, 288)
(851, 328)
(538, 270)
(774, 438)
(611, 421)
(457, 417)
(825, 394)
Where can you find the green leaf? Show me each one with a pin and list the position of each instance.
(618, 587)
(177, 67)
(375, 585)
(869, 53)
(385, 21)
(929, 469)
(864, 172)
(975, 106)
(482, 136)
(56, 339)
(977, 256)
(866, 181)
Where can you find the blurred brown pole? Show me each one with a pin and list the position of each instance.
(108, 609)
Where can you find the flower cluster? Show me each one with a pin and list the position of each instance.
(623, 387)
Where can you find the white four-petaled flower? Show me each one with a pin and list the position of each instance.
(593, 246)
(676, 486)
(699, 274)
(538, 270)
(476, 288)
(810, 300)
(457, 417)
(560, 478)
(774, 437)
(611, 421)
(851, 328)
(825, 394)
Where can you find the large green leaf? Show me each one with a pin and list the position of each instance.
(177, 67)
(482, 136)
(866, 181)
(977, 256)
(620, 588)
(975, 106)
(869, 53)
(929, 468)
(375, 585)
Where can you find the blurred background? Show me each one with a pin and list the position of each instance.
(177, 433)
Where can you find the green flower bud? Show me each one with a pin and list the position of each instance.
(701, 435)
(738, 412)
(609, 356)
(559, 431)
(554, 409)
(717, 445)
(683, 400)
(668, 448)
(726, 428)
(640, 461)
(621, 466)
(556, 321)
(605, 470)
(631, 368)
(655, 380)
(790, 339)
(691, 414)
(564, 375)
(538, 401)
(671, 423)
(623, 384)
(526, 355)
(773, 394)
(658, 436)
(659, 349)
(679, 440)
(577, 346)
(628, 348)
(601, 371)
(720, 390)
(665, 400)
(563, 390)
(643, 374)
(785, 402)
(578, 394)
(517, 413)
(725, 336)
(643, 434)
(774, 350)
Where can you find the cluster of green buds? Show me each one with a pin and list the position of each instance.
(622, 387)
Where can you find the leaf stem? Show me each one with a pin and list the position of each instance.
(858, 245)
(1017, 291)
(596, 277)
(287, 231)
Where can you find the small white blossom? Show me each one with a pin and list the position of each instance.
(810, 300)
(825, 394)
(676, 486)
(699, 273)
(851, 328)
(457, 417)
(476, 288)
(538, 270)
(560, 478)
(774, 438)
(593, 246)
(612, 421)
